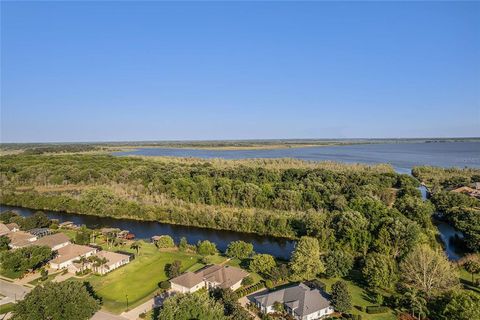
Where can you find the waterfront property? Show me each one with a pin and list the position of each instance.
(114, 261)
(20, 239)
(70, 253)
(212, 276)
(54, 241)
(300, 301)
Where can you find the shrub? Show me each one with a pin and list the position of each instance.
(165, 242)
(247, 281)
(269, 284)
(247, 290)
(165, 285)
(360, 308)
(43, 274)
(377, 309)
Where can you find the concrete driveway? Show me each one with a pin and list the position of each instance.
(12, 291)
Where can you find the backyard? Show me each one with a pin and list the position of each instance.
(139, 279)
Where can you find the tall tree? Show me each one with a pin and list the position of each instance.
(262, 263)
(341, 298)
(305, 262)
(136, 245)
(57, 301)
(472, 265)
(380, 271)
(239, 249)
(428, 270)
(458, 305)
(337, 263)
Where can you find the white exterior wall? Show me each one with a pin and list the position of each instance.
(319, 314)
(65, 264)
(236, 285)
(61, 245)
(182, 289)
(114, 266)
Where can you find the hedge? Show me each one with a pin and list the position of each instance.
(247, 290)
(377, 309)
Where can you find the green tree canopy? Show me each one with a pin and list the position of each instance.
(239, 249)
(337, 263)
(428, 270)
(262, 263)
(198, 306)
(305, 262)
(341, 298)
(165, 241)
(57, 301)
(23, 259)
(380, 271)
(206, 248)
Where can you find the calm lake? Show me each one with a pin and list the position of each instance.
(402, 156)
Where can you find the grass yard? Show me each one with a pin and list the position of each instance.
(139, 279)
(49, 278)
(5, 308)
(359, 298)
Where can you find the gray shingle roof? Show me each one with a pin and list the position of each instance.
(300, 298)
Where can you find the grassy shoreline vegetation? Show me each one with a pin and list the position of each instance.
(273, 197)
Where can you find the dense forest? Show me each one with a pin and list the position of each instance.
(459, 209)
(343, 205)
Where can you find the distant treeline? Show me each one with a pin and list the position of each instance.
(67, 148)
(347, 206)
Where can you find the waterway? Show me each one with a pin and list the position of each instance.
(278, 247)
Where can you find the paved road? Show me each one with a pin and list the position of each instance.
(145, 307)
(12, 290)
(102, 315)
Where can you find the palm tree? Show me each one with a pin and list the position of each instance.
(103, 262)
(136, 245)
(83, 260)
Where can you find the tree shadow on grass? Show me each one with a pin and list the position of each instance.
(468, 285)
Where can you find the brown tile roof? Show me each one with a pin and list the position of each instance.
(20, 238)
(52, 240)
(112, 257)
(12, 226)
(71, 251)
(224, 276)
(3, 229)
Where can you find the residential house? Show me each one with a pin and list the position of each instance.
(211, 276)
(114, 261)
(300, 301)
(20, 239)
(54, 241)
(4, 229)
(68, 254)
(13, 227)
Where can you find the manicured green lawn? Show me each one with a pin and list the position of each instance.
(359, 296)
(139, 279)
(38, 280)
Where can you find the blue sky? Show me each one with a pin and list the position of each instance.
(97, 71)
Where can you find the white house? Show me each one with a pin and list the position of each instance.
(114, 261)
(68, 254)
(209, 277)
(300, 301)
